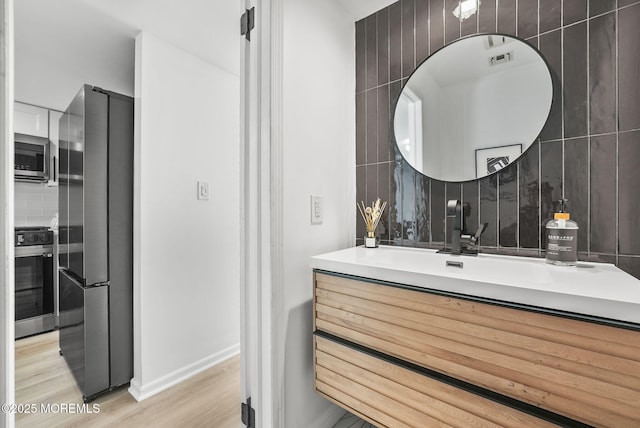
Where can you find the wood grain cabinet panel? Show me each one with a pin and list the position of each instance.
(390, 395)
(584, 371)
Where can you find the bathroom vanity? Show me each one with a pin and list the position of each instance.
(409, 337)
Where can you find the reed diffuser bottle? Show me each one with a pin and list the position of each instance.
(371, 216)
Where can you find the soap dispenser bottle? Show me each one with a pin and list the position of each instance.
(562, 237)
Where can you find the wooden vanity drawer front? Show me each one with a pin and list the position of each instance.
(585, 371)
(393, 396)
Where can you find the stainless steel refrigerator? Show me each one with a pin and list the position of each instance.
(96, 239)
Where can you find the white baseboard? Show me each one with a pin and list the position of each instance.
(142, 392)
(329, 418)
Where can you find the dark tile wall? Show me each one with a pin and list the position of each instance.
(588, 152)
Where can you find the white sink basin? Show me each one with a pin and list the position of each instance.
(597, 289)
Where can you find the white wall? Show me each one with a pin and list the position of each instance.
(62, 45)
(186, 251)
(319, 159)
(522, 112)
(60, 85)
(7, 359)
(523, 108)
(49, 84)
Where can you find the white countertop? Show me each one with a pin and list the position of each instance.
(597, 289)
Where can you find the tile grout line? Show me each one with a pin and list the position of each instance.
(616, 72)
(588, 37)
(460, 20)
(428, 36)
(377, 106)
(415, 42)
(478, 18)
(517, 19)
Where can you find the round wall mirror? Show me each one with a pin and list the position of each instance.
(473, 107)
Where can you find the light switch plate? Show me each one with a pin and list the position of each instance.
(317, 209)
(203, 190)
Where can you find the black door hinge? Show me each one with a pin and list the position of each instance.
(247, 23)
(248, 414)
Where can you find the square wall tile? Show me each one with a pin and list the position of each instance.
(573, 10)
(550, 15)
(384, 195)
(529, 193)
(453, 191)
(361, 195)
(422, 30)
(372, 125)
(629, 64)
(451, 23)
(551, 48)
(382, 122)
(507, 16)
(596, 7)
(527, 18)
(382, 40)
(603, 194)
(423, 212)
(575, 80)
(395, 89)
(487, 17)
(395, 41)
(408, 26)
(576, 186)
(371, 51)
(361, 128)
(550, 178)
(436, 28)
(602, 74)
(489, 210)
(372, 184)
(438, 209)
(361, 64)
(629, 192)
(408, 175)
(470, 196)
(508, 210)
(395, 202)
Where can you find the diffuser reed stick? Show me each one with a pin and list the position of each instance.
(371, 215)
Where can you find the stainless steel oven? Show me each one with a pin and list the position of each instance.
(35, 294)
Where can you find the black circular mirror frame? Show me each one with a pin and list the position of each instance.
(460, 118)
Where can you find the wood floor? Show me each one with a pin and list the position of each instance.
(209, 399)
(352, 421)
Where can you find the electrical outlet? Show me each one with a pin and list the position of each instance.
(317, 210)
(203, 190)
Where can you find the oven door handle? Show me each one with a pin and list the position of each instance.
(43, 253)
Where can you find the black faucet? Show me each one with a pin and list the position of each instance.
(461, 243)
(455, 210)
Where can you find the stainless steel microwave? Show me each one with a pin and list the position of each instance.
(31, 158)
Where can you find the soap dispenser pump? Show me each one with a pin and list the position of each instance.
(562, 237)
